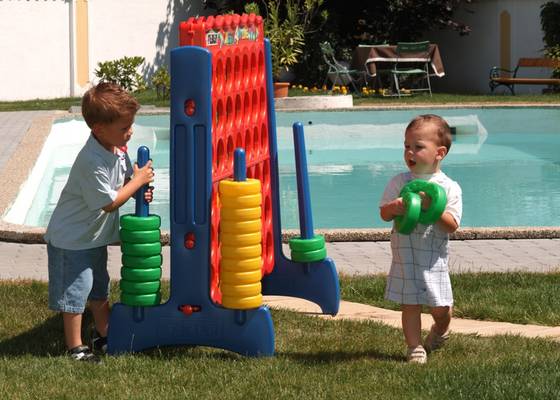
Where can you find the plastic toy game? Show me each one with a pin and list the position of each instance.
(221, 100)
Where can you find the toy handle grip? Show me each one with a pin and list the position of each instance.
(142, 206)
(304, 198)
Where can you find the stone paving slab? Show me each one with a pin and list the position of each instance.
(29, 261)
(363, 312)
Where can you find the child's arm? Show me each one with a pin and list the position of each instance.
(390, 210)
(447, 223)
(140, 177)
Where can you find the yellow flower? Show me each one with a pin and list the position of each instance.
(305, 89)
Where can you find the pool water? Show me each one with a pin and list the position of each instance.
(506, 161)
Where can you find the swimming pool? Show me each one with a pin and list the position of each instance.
(506, 161)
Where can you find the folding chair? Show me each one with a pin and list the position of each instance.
(416, 53)
(338, 73)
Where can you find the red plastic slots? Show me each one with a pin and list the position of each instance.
(239, 115)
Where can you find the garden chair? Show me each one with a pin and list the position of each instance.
(412, 53)
(338, 73)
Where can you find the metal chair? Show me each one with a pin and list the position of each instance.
(412, 53)
(338, 73)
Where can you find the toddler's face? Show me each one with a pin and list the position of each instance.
(422, 153)
(115, 134)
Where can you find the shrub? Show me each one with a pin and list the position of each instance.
(161, 81)
(122, 71)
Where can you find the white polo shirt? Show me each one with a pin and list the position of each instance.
(78, 221)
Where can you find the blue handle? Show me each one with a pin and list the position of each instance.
(142, 206)
(239, 165)
(304, 199)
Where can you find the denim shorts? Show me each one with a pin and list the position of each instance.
(76, 276)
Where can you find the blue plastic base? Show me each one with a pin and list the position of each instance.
(316, 282)
(250, 332)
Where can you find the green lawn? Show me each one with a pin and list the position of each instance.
(315, 359)
(522, 298)
(148, 97)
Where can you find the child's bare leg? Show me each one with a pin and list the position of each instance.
(72, 329)
(442, 318)
(412, 324)
(100, 311)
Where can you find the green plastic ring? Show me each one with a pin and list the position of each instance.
(309, 256)
(142, 262)
(140, 236)
(140, 275)
(435, 192)
(315, 243)
(133, 223)
(144, 300)
(133, 287)
(406, 223)
(141, 249)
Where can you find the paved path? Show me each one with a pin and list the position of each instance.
(29, 261)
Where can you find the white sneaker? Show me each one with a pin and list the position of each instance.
(434, 340)
(416, 355)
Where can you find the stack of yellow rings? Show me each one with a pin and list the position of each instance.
(240, 238)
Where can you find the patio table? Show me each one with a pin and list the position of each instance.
(375, 57)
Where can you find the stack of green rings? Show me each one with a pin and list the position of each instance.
(406, 223)
(308, 250)
(141, 260)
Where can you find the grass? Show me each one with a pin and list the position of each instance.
(524, 298)
(315, 359)
(148, 97)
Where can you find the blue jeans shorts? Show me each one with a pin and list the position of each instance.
(76, 276)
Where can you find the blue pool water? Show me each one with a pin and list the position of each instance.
(506, 161)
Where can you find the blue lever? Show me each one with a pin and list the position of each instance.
(142, 206)
(304, 199)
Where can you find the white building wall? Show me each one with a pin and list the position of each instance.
(35, 41)
(147, 28)
(468, 59)
(34, 49)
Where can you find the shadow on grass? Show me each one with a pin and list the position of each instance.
(326, 357)
(45, 339)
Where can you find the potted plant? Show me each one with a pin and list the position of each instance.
(285, 27)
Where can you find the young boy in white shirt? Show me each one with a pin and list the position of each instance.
(86, 217)
(419, 272)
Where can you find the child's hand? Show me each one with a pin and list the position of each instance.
(426, 200)
(145, 174)
(398, 206)
(149, 194)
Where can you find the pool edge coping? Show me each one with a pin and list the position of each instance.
(21, 162)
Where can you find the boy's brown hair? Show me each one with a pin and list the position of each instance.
(442, 128)
(107, 102)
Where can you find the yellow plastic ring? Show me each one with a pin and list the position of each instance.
(240, 214)
(245, 201)
(240, 278)
(247, 290)
(240, 188)
(241, 239)
(249, 264)
(240, 226)
(241, 252)
(244, 303)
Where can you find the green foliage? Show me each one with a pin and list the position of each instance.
(550, 23)
(122, 71)
(287, 25)
(161, 81)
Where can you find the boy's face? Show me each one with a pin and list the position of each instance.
(115, 134)
(422, 152)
